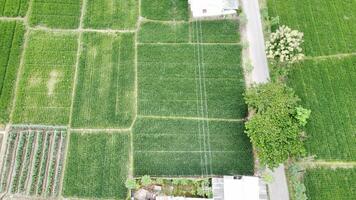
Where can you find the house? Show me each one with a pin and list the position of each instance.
(213, 8)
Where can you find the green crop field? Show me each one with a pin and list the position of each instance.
(106, 78)
(44, 94)
(97, 165)
(114, 14)
(330, 184)
(190, 147)
(155, 32)
(215, 31)
(11, 34)
(165, 10)
(56, 14)
(329, 26)
(327, 87)
(13, 8)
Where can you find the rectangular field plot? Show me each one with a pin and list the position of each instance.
(33, 162)
(97, 165)
(11, 34)
(45, 89)
(114, 14)
(215, 31)
(329, 26)
(56, 13)
(105, 89)
(327, 87)
(191, 80)
(165, 10)
(330, 184)
(166, 147)
(13, 8)
(156, 32)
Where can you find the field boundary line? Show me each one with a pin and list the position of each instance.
(79, 30)
(328, 164)
(12, 18)
(190, 118)
(107, 130)
(144, 151)
(162, 21)
(189, 43)
(340, 55)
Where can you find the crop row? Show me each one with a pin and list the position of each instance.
(33, 164)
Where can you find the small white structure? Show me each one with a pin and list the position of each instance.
(213, 8)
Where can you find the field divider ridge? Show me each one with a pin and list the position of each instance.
(339, 55)
(12, 18)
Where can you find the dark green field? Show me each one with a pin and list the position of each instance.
(106, 78)
(165, 10)
(167, 147)
(114, 14)
(97, 165)
(45, 89)
(330, 184)
(11, 34)
(56, 14)
(13, 8)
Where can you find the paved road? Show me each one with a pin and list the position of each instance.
(278, 190)
(260, 72)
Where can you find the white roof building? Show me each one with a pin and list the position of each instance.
(212, 8)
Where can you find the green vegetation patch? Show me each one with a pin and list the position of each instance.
(11, 34)
(156, 32)
(165, 10)
(56, 14)
(105, 89)
(191, 80)
(114, 14)
(327, 87)
(329, 26)
(97, 165)
(215, 31)
(13, 8)
(166, 147)
(330, 184)
(45, 89)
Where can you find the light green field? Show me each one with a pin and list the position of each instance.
(330, 184)
(167, 147)
(177, 80)
(105, 89)
(114, 14)
(13, 8)
(56, 14)
(165, 10)
(44, 93)
(156, 32)
(329, 26)
(11, 34)
(97, 165)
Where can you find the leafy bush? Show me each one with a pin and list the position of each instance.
(131, 184)
(146, 180)
(295, 173)
(284, 45)
(302, 115)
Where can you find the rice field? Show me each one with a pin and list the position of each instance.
(330, 184)
(329, 26)
(44, 93)
(106, 78)
(13, 8)
(173, 10)
(97, 165)
(11, 43)
(155, 32)
(171, 147)
(62, 14)
(114, 14)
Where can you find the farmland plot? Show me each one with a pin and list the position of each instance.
(13, 8)
(97, 165)
(33, 161)
(167, 147)
(105, 90)
(114, 14)
(44, 94)
(330, 184)
(327, 87)
(191, 80)
(165, 10)
(215, 31)
(329, 26)
(11, 34)
(156, 32)
(56, 13)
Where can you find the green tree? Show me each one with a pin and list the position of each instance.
(274, 129)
